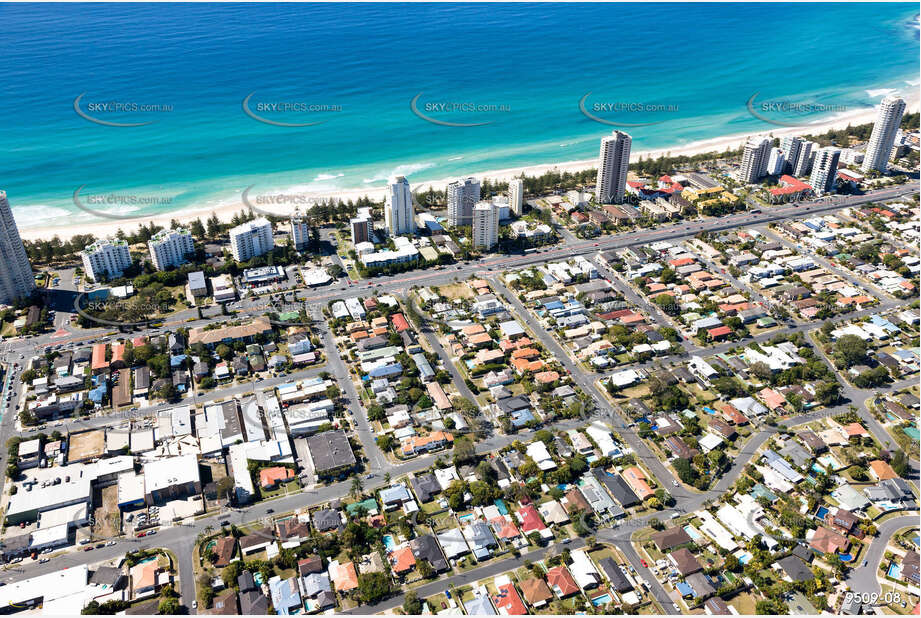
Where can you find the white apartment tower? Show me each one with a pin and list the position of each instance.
(106, 258)
(804, 158)
(169, 248)
(516, 196)
(398, 207)
(825, 170)
(461, 196)
(755, 157)
(300, 232)
(776, 162)
(612, 168)
(16, 277)
(485, 225)
(251, 239)
(791, 144)
(879, 148)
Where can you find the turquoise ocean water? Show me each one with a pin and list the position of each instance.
(692, 67)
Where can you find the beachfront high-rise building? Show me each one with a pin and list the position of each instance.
(755, 157)
(879, 148)
(776, 162)
(461, 196)
(516, 196)
(169, 248)
(790, 145)
(398, 207)
(300, 231)
(106, 258)
(485, 225)
(804, 158)
(16, 277)
(612, 168)
(825, 170)
(251, 239)
(361, 228)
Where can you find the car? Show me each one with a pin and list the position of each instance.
(226, 522)
(111, 543)
(270, 510)
(88, 548)
(566, 541)
(141, 535)
(675, 483)
(677, 609)
(194, 604)
(864, 563)
(643, 562)
(151, 533)
(100, 545)
(44, 560)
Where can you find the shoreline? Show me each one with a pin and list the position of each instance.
(227, 209)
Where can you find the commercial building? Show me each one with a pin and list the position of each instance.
(16, 278)
(879, 148)
(755, 156)
(398, 207)
(825, 170)
(198, 285)
(462, 195)
(516, 196)
(612, 168)
(170, 248)
(171, 478)
(251, 239)
(485, 225)
(330, 452)
(106, 259)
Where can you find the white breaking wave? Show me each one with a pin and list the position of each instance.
(322, 177)
(400, 170)
(881, 92)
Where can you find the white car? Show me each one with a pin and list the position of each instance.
(675, 483)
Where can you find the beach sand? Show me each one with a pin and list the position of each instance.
(226, 210)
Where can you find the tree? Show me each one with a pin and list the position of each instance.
(374, 587)
(851, 349)
(464, 451)
(412, 604)
(899, 463)
(426, 571)
(224, 351)
(169, 606)
(357, 488)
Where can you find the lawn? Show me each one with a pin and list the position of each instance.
(455, 290)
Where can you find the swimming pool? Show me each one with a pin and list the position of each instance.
(389, 543)
(601, 600)
(503, 510)
(467, 517)
(692, 532)
(821, 513)
(913, 433)
(845, 557)
(709, 410)
(895, 570)
(818, 469)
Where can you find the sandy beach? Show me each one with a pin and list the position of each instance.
(226, 210)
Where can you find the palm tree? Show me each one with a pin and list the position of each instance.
(357, 487)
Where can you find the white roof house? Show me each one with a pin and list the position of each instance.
(583, 570)
(541, 456)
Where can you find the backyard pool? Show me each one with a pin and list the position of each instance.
(601, 600)
(692, 532)
(503, 510)
(821, 513)
(913, 433)
(389, 543)
(895, 570)
(845, 557)
(465, 518)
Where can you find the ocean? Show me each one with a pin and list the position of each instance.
(682, 72)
